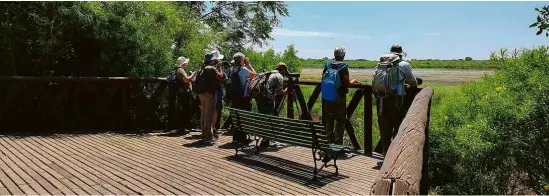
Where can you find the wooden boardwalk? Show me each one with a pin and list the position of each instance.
(122, 164)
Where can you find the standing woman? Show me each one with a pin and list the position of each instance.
(182, 85)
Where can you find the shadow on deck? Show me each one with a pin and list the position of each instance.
(107, 163)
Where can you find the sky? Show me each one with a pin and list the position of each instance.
(425, 30)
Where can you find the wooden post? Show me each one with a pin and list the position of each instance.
(290, 104)
(368, 114)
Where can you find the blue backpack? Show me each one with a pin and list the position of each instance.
(173, 81)
(331, 82)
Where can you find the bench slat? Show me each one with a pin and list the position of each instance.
(280, 128)
(279, 138)
(287, 121)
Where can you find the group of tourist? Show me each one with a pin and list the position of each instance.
(391, 74)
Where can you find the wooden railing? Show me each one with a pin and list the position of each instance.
(363, 92)
(82, 103)
(404, 169)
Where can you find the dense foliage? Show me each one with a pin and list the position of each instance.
(492, 136)
(465, 64)
(266, 61)
(123, 38)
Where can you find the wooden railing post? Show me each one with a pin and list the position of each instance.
(368, 114)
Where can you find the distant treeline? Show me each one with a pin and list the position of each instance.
(430, 63)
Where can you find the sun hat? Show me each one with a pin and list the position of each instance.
(181, 60)
(397, 49)
(217, 54)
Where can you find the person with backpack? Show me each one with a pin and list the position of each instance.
(180, 92)
(391, 75)
(241, 72)
(206, 83)
(334, 88)
(273, 86)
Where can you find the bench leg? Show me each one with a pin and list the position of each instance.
(314, 160)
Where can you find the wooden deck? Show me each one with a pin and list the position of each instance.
(165, 164)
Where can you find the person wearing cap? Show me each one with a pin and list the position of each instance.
(183, 85)
(245, 72)
(218, 95)
(335, 113)
(241, 71)
(275, 87)
(391, 109)
(207, 80)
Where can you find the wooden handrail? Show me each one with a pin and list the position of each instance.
(404, 164)
(71, 78)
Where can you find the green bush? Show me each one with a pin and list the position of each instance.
(266, 61)
(494, 133)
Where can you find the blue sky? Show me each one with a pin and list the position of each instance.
(442, 30)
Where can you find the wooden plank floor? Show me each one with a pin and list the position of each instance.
(109, 163)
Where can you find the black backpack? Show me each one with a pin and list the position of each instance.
(236, 88)
(204, 83)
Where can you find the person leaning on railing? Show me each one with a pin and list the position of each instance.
(390, 102)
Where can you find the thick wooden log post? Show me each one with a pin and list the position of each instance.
(402, 168)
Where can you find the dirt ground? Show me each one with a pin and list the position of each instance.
(443, 76)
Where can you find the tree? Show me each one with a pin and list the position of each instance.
(96, 38)
(468, 58)
(542, 21)
(238, 23)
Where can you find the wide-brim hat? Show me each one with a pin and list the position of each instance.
(388, 59)
(181, 60)
(218, 55)
(397, 49)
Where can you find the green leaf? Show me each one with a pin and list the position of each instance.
(537, 9)
(534, 24)
(539, 32)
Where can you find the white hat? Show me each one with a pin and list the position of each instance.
(181, 60)
(217, 54)
(339, 51)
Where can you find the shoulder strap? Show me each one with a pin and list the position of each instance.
(328, 64)
(342, 66)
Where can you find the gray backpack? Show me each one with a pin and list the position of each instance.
(387, 76)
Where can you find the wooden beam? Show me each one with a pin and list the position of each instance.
(350, 110)
(305, 111)
(368, 114)
(312, 99)
(403, 163)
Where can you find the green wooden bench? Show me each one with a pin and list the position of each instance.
(303, 133)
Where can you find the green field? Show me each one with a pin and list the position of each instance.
(474, 64)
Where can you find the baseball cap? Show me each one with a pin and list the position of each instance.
(210, 57)
(238, 55)
(339, 51)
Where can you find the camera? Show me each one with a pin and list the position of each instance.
(419, 80)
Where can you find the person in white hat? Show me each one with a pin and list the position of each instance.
(183, 84)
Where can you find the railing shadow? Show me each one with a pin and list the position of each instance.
(288, 170)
